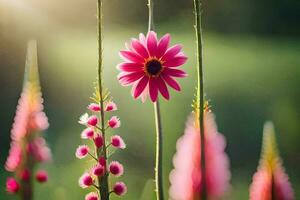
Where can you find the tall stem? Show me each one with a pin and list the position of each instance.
(158, 125)
(103, 181)
(200, 93)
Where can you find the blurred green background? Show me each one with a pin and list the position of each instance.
(252, 72)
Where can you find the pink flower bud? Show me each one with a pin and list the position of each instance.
(94, 107)
(114, 122)
(92, 196)
(118, 142)
(87, 133)
(98, 140)
(41, 176)
(120, 188)
(111, 106)
(85, 180)
(98, 170)
(116, 168)
(82, 151)
(12, 186)
(25, 175)
(102, 161)
(92, 120)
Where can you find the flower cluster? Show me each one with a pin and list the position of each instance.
(95, 132)
(28, 147)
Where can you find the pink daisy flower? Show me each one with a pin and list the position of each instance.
(111, 106)
(114, 122)
(12, 186)
(92, 196)
(82, 151)
(87, 133)
(120, 188)
(86, 180)
(149, 65)
(41, 176)
(116, 168)
(117, 142)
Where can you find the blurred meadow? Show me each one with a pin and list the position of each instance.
(252, 74)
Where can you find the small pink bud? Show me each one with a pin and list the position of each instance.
(120, 188)
(114, 122)
(87, 133)
(98, 170)
(82, 151)
(102, 161)
(116, 168)
(12, 186)
(92, 196)
(25, 175)
(111, 106)
(98, 140)
(85, 180)
(94, 107)
(118, 142)
(41, 176)
(92, 120)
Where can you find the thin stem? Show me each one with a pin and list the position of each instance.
(102, 181)
(200, 93)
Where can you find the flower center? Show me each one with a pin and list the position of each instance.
(153, 67)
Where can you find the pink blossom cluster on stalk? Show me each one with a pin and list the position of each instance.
(186, 178)
(270, 181)
(93, 135)
(28, 147)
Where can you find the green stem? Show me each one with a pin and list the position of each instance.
(200, 94)
(102, 181)
(159, 135)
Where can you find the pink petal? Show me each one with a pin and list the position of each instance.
(139, 48)
(172, 52)
(131, 56)
(126, 79)
(163, 88)
(153, 89)
(171, 82)
(152, 43)
(130, 67)
(140, 87)
(142, 39)
(175, 62)
(163, 45)
(174, 72)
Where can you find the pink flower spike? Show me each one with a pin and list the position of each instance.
(87, 133)
(98, 140)
(85, 180)
(12, 186)
(92, 196)
(117, 141)
(41, 176)
(82, 151)
(98, 170)
(116, 168)
(94, 107)
(92, 120)
(111, 106)
(114, 122)
(149, 66)
(120, 188)
(25, 175)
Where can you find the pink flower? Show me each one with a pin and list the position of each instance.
(39, 149)
(116, 168)
(92, 196)
(102, 161)
(186, 177)
(86, 180)
(150, 65)
(270, 178)
(120, 188)
(98, 170)
(86, 120)
(82, 151)
(98, 140)
(118, 142)
(111, 106)
(114, 122)
(12, 186)
(41, 176)
(14, 158)
(87, 133)
(25, 175)
(94, 107)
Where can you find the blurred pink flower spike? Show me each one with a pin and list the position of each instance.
(185, 178)
(270, 181)
(28, 147)
(150, 65)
